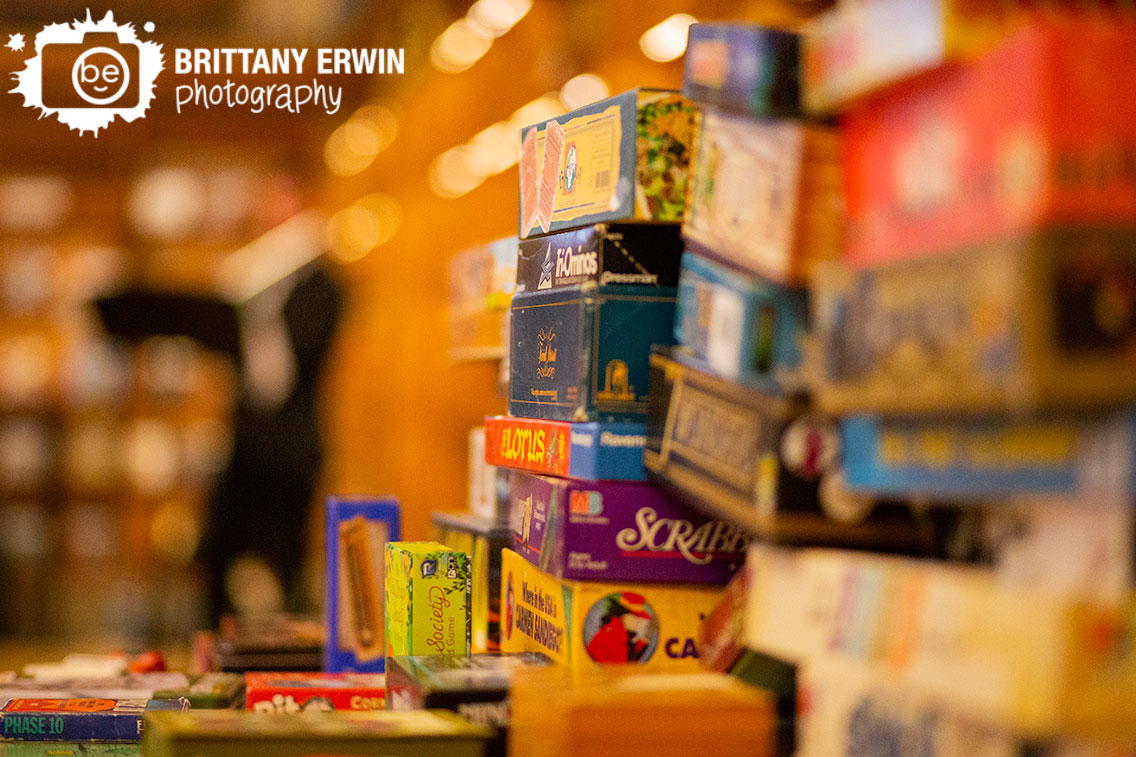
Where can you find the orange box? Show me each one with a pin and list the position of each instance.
(1040, 131)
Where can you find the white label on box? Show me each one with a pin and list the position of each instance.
(482, 477)
(724, 332)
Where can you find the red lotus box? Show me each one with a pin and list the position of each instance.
(1040, 131)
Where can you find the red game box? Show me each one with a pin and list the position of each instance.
(295, 692)
(1040, 131)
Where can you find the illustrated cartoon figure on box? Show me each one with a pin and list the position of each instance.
(620, 628)
(571, 170)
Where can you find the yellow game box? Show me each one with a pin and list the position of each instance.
(582, 623)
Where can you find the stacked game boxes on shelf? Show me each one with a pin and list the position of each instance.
(593, 296)
(972, 346)
(603, 566)
(732, 427)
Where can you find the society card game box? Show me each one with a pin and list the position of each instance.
(427, 599)
(585, 450)
(620, 159)
(357, 531)
(618, 531)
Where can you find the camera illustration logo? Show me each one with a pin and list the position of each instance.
(87, 73)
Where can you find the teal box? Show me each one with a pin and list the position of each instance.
(741, 327)
(580, 353)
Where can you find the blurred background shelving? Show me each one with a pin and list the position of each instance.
(108, 450)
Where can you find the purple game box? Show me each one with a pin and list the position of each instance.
(618, 531)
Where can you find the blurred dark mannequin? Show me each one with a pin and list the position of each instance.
(261, 500)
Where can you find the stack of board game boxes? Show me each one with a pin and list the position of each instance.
(605, 570)
(952, 380)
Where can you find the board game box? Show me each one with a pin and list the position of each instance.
(585, 450)
(744, 328)
(854, 48)
(767, 463)
(1031, 134)
(992, 457)
(744, 68)
(475, 687)
(580, 353)
(587, 623)
(1030, 322)
(618, 531)
(765, 195)
(357, 531)
(304, 692)
(606, 254)
(620, 159)
(427, 599)
(84, 719)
